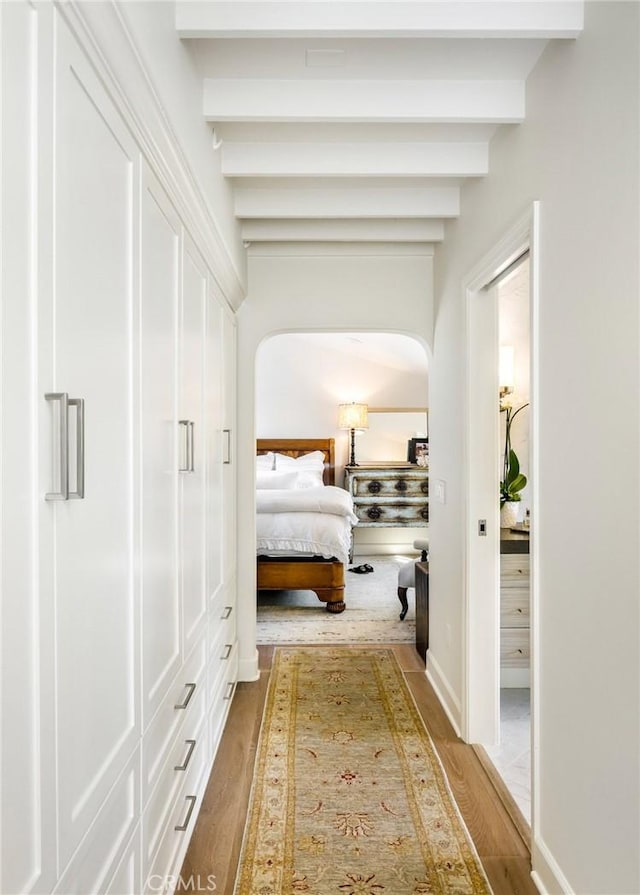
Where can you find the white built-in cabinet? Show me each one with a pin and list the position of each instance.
(119, 652)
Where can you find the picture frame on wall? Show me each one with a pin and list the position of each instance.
(418, 451)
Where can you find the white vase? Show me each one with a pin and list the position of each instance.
(509, 514)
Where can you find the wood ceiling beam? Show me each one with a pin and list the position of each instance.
(477, 101)
(393, 18)
(355, 159)
(347, 202)
(377, 230)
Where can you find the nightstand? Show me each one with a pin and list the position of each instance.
(387, 495)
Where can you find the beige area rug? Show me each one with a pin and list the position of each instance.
(371, 616)
(349, 795)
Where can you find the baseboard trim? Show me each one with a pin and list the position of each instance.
(443, 690)
(546, 874)
(248, 669)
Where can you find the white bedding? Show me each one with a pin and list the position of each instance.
(315, 521)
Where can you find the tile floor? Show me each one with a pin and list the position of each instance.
(512, 758)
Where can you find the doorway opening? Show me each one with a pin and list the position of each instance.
(500, 653)
(302, 378)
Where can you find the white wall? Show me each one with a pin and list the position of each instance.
(578, 153)
(335, 288)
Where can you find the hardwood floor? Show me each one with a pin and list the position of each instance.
(217, 838)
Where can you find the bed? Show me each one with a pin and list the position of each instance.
(322, 574)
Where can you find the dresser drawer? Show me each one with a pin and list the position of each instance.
(514, 608)
(514, 570)
(514, 647)
(376, 512)
(394, 486)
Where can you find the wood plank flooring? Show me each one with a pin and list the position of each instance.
(217, 837)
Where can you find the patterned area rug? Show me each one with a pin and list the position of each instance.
(349, 795)
(371, 616)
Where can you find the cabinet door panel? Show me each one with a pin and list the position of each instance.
(27, 772)
(215, 447)
(192, 483)
(96, 634)
(229, 468)
(159, 270)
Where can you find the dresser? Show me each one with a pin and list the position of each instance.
(389, 495)
(514, 609)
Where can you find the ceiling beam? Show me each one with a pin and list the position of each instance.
(373, 202)
(324, 230)
(393, 18)
(355, 159)
(248, 99)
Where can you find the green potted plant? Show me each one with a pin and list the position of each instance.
(513, 481)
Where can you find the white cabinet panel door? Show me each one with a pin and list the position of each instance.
(192, 445)
(216, 444)
(96, 168)
(159, 273)
(229, 469)
(27, 772)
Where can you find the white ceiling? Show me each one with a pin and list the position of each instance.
(360, 119)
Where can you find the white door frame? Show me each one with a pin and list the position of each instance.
(481, 671)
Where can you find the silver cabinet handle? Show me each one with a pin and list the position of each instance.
(227, 453)
(182, 827)
(186, 467)
(191, 688)
(227, 651)
(227, 612)
(230, 688)
(183, 767)
(63, 493)
(192, 442)
(78, 403)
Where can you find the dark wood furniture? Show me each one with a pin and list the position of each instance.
(422, 608)
(389, 495)
(325, 577)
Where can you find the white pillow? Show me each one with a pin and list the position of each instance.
(268, 480)
(309, 478)
(264, 461)
(314, 460)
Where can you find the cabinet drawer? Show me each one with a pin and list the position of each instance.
(514, 608)
(393, 486)
(514, 647)
(514, 570)
(388, 514)
(172, 798)
(158, 740)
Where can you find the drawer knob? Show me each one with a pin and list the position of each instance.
(374, 512)
(424, 512)
(424, 487)
(374, 487)
(401, 485)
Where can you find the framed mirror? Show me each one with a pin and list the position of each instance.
(390, 429)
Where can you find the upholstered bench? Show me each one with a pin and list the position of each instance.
(407, 574)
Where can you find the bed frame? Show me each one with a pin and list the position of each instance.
(323, 576)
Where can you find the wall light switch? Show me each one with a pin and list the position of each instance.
(441, 491)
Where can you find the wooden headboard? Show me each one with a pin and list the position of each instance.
(296, 447)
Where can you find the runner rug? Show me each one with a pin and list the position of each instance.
(349, 796)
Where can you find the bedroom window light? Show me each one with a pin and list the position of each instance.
(354, 417)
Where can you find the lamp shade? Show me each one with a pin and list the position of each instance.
(353, 416)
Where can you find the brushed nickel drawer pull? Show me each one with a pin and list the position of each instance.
(227, 651)
(192, 689)
(230, 688)
(182, 827)
(227, 451)
(183, 767)
(63, 451)
(227, 612)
